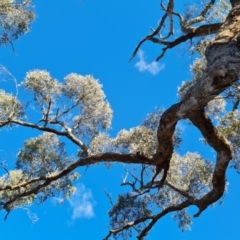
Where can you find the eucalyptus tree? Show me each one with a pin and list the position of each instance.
(163, 182)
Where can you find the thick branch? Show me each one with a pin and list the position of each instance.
(218, 76)
(106, 157)
(224, 155)
(234, 2)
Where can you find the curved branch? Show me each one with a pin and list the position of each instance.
(67, 133)
(200, 31)
(191, 32)
(106, 157)
(223, 69)
(224, 155)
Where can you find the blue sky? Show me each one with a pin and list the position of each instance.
(98, 38)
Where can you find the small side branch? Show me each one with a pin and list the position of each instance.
(200, 31)
(153, 218)
(67, 133)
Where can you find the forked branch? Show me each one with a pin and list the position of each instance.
(186, 27)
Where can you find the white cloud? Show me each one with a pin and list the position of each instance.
(82, 203)
(153, 67)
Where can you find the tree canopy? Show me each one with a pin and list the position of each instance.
(75, 109)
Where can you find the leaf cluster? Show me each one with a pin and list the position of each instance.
(15, 19)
